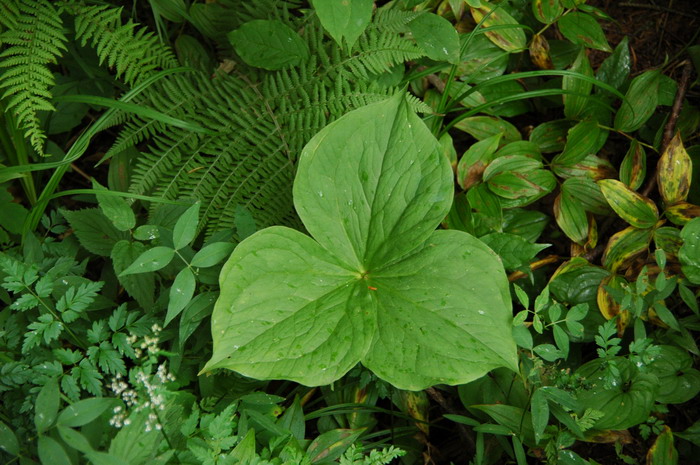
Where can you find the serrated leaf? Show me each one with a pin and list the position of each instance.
(181, 293)
(141, 288)
(513, 250)
(186, 227)
(95, 232)
(674, 172)
(637, 210)
(114, 208)
(624, 246)
(46, 407)
(640, 101)
(581, 28)
(436, 37)
(268, 44)
(364, 286)
(577, 106)
(511, 39)
(151, 260)
(344, 19)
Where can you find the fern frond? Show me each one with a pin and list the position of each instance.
(262, 120)
(33, 39)
(132, 51)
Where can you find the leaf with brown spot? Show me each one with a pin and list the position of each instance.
(608, 306)
(583, 29)
(682, 212)
(511, 39)
(633, 169)
(474, 161)
(624, 246)
(547, 11)
(539, 52)
(663, 452)
(674, 172)
(637, 210)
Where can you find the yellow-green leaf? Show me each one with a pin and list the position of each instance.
(682, 212)
(663, 452)
(624, 246)
(674, 172)
(637, 210)
(539, 52)
(634, 166)
(511, 39)
(607, 304)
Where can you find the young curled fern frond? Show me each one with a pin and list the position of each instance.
(32, 41)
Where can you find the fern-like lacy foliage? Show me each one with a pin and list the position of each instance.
(32, 39)
(262, 120)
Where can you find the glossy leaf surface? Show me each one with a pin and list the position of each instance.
(376, 284)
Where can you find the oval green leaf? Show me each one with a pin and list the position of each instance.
(583, 29)
(151, 260)
(268, 44)
(344, 19)
(637, 210)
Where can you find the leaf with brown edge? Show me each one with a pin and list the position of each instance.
(674, 172)
(668, 239)
(474, 161)
(663, 452)
(633, 168)
(624, 246)
(682, 212)
(511, 39)
(637, 210)
(481, 127)
(547, 11)
(583, 29)
(539, 52)
(520, 189)
(608, 306)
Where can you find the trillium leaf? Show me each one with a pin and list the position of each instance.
(376, 284)
(344, 19)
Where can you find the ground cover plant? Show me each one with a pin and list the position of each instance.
(356, 232)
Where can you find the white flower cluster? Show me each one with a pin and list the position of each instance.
(147, 391)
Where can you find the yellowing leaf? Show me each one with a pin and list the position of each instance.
(547, 11)
(539, 52)
(637, 210)
(511, 39)
(634, 166)
(663, 452)
(608, 306)
(682, 212)
(674, 172)
(624, 246)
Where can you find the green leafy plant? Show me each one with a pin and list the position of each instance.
(369, 278)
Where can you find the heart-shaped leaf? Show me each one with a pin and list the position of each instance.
(376, 284)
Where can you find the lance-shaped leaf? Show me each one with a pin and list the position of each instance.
(577, 104)
(582, 140)
(674, 172)
(583, 29)
(473, 163)
(689, 253)
(539, 52)
(633, 168)
(640, 101)
(376, 284)
(637, 210)
(682, 212)
(571, 217)
(547, 11)
(624, 246)
(510, 38)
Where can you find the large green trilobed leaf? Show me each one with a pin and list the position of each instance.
(376, 284)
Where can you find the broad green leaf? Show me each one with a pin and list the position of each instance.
(637, 210)
(486, 206)
(674, 172)
(663, 452)
(592, 166)
(615, 69)
(520, 189)
(586, 192)
(268, 44)
(114, 207)
(640, 101)
(52, 452)
(481, 127)
(344, 19)
(625, 405)
(186, 227)
(376, 282)
(472, 164)
(540, 413)
(528, 224)
(633, 168)
(624, 246)
(514, 163)
(679, 382)
(551, 136)
(181, 293)
(582, 140)
(547, 11)
(577, 282)
(8, 440)
(212, 254)
(84, 411)
(141, 288)
(436, 36)
(514, 251)
(578, 106)
(571, 217)
(95, 232)
(46, 407)
(689, 253)
(521, 147)
(583, 29)
(329, 446)
(74, 439)
(151, 260)
(512, 38)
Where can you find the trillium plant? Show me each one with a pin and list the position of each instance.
(375, 283)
